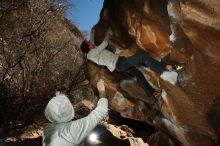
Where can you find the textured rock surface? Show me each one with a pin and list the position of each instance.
(180, 31)
(124, 132)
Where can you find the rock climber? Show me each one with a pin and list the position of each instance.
(102, 56)
(62, 131)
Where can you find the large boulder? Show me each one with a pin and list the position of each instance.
(180, 31)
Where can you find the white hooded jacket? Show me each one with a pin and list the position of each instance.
(64, 132)
(102, 56)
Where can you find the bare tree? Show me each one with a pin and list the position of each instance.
(38, 52)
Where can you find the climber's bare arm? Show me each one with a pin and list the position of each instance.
(101, 88)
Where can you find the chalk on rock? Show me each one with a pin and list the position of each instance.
(170, 76)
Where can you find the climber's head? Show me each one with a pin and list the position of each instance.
(59, 109)
(86, 46)
(62, 89)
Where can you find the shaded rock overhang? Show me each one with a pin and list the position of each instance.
(180, 31)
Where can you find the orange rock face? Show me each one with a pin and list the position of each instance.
(181, 31)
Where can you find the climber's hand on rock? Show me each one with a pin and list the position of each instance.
(109, 32)
(101, 85)
(88, 104)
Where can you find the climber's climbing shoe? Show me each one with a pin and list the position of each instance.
(157, 94)
(178, 67)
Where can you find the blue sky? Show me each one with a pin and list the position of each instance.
(85, 13)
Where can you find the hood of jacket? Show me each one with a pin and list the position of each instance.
(59, 109)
